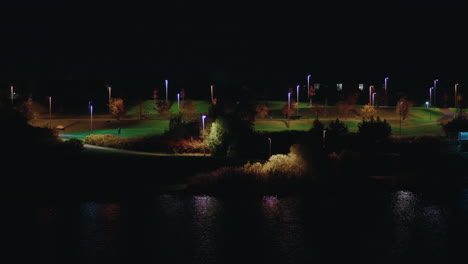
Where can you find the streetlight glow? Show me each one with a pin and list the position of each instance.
(203, 131)
(178, 102)
(289, 103)
(297, 91)
(167, 83)
(373, 101)
(370, 94)
(430, 96)
(211, 86)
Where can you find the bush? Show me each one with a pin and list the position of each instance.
(373, 130)
(336, 127)
(179, 128)
(458, 124)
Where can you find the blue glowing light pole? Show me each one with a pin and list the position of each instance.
(430, 96)
(373, 100)
(178, 102)
(167, 83)
(203, 131)
(91, 111)
(289, 103)
(385, 87)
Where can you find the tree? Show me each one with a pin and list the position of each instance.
(403, 107)
(368, 111)
(163, 108)
(229, 135)
(187, 107)
(319, 110)
(288, 109)
(182, 94)
(261, 111)
(117, 108)
(155, 96)
(458, 124)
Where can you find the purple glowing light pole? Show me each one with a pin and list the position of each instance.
(297, 91)
(373, 100)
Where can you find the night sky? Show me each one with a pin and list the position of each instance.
(265, 45)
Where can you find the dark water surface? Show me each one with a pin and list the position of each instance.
(392, 227)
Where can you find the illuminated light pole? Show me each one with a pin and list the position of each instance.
(308, 87)
(50, 110)
(211, 86)
(430, 96)
(167, 83)
(91, 111)
(269, 147)
(11, 91)
(385, 87)
(324, 132)
(370, 94)
(373, 96)
(178, 102)
(110, 98)
(435, 92)
(203, 131)
(289, 103)
(455, 97)
(297, 91)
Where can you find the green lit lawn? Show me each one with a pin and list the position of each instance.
(129, 129)
(421, 120)
(148, 107)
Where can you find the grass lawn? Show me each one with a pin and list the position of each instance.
(421, 120)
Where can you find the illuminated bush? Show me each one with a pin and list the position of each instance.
(279, 170)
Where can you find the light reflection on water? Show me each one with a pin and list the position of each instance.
(99, 230)
(283, 228)
(178, 228)
(418, 220)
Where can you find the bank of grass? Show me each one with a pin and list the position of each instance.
(420, 121)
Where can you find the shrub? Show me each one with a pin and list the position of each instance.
(336, 127)
(279, 170)
(458, 124)
(374, 129)
(179, 128)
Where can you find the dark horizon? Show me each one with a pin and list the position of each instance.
(258, 46)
